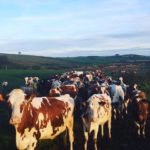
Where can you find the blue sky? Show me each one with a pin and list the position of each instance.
(75, 27)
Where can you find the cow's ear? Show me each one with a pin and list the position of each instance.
(59, 89)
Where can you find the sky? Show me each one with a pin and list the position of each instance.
(59, 28)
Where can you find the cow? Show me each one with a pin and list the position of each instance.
(130, 95)
(123, 85)
(40, 118)
(72, 90)
(28, 81)
(138, 111)
(89, 76)
(55, 83)
(31, 80)
(44, 85)
(117, 95)
(54, 92)
(3, 88)
(4, 83)
(97, 113)
(27, 89)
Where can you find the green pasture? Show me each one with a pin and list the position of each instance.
(15, 77)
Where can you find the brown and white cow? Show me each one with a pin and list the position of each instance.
(97, 113)
(138, 110)
(55, 92)
(30, 80)
(40, 118)
(72, 90)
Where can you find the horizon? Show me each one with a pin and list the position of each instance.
(67, 28)
(115, 54)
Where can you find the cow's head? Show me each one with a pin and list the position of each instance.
(140, 96)
(16, 100)
(55, 92)
(95, 106)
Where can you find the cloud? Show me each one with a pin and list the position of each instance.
(130, 35)
(76, 53)
(75, 47)
(63, 26)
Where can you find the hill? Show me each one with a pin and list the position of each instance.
(14, 61)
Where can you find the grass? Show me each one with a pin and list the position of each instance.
(15, 77)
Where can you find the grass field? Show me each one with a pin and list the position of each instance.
(15, 77)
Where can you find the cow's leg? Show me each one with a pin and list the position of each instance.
(102, 130)
(121, 110)
(114, 113)
(143, 130)
(33, 143)
(65, 138)
(138, 128)
(28, 143)
(86, 132)
(86, 136)
(109, 127)
(70, 132)
(95, 137)
(32, 146)
(22, 142)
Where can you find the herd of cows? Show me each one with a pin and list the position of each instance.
(44, 108)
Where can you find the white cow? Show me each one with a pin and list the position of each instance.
(117, 95)
(97, 113)
(5, 83)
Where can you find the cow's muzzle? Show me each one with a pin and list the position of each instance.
(14, 121)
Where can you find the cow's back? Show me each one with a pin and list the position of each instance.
(46, 117)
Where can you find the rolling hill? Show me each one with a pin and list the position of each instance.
(14, 61)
